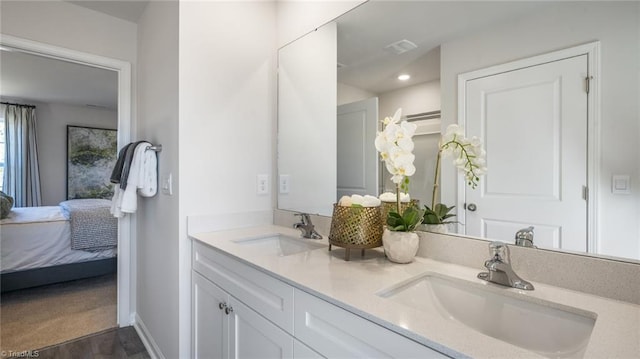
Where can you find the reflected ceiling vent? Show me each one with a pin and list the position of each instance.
(400, 47)
(423, 116)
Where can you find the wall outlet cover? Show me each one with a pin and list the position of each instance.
(285, 184)
(262, 183)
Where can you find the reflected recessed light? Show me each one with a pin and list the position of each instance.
(404, 77)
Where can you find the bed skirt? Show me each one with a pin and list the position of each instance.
(55, 274)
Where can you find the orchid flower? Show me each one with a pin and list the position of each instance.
(395, 145)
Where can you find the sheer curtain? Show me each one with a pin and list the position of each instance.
(21, 178)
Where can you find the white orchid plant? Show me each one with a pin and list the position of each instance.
(468, 156)
(395, 145)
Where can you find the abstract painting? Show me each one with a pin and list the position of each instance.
(91, 156)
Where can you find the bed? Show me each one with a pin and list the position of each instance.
(44, 245)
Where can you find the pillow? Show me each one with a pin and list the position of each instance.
(6, 203)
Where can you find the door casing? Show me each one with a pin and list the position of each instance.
(126, 238)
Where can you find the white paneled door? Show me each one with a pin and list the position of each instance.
(533, 121)
(357, 155)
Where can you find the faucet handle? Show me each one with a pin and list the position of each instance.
(497, 249)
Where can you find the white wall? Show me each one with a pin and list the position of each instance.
(562, 26)
(157, 253)
(227, 84)
(52, 121)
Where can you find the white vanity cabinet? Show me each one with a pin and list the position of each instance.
(226, 328)
(241, 312)
(337, 333)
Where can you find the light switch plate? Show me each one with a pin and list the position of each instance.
(166, 184)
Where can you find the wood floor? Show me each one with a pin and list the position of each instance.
(113, 343)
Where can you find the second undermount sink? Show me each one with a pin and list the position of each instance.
(280, 244)
(549, 329)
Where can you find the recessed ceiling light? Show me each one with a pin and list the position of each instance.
(404, 77)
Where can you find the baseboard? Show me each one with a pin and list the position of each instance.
(147, 339)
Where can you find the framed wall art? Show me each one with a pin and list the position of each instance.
(91, 156)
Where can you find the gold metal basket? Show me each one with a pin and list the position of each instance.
(387, 207)
(356, 227)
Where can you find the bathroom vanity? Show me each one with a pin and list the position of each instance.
(265, 292)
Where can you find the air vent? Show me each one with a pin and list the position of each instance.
(400, 47)
(423, 116)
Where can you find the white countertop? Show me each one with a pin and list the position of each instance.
(353, 286)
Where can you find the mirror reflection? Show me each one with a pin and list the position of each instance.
(552, 89)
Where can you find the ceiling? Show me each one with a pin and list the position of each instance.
(28, 77)
(364, 32)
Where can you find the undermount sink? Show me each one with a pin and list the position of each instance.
(279, 244)
(547, 328)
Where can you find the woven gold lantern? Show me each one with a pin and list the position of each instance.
(356, 227)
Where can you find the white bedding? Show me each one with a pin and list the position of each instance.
(21, 215)
(37, 237)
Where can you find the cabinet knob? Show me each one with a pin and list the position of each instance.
(222, 305)
(228, 309)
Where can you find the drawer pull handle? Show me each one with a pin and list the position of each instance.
(228, 310)
(222, 305)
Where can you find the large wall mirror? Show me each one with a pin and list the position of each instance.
(552, 88)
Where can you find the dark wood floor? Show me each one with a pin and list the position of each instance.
(113, 343)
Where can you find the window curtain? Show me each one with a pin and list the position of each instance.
(21, 178)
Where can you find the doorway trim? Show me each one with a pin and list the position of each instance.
(592, 50)
(126, 238)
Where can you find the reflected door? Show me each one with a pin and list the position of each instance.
(357, 156)
(533, 122)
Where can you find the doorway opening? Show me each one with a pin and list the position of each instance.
(121, 114)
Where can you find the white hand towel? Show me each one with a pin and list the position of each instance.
(116, 200)
(129, 202)
(148, 184)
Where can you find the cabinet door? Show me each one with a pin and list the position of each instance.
(301, 351)
(252, 336)
(270, 297)
(210, 334)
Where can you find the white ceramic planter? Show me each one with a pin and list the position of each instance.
(400, 247)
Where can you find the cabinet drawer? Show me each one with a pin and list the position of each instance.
(336, 333)
(268, 296)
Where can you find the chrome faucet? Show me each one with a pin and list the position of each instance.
(306, 227)
(524, 237)
(500, 271)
